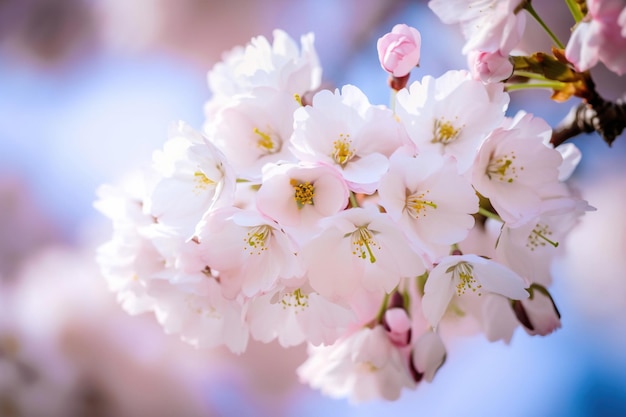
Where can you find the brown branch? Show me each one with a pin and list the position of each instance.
(594, 115)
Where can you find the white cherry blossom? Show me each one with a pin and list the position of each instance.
(515, 166)
(299, 195)
(294, 315)
(344, 130)
(359, 249)
(253, 130)
(250, 251)
(451, 115)
(464, 276)
(429, 200)
(364, 366)
(488, 25)
(191, 176)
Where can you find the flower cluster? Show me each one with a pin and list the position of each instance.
(372, 233)
(494, 29)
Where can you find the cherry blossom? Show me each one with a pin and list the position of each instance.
(514, 165)
(399, 50)
(600, 36)
(488, 26)
(190, 177)
(344, 130)
(490, 67)
(451, 115)
(430, 201)
(250, 252)
(299, 195)
(362, 367)
(369, 252)
(467, 275)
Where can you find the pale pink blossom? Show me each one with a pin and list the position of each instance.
(451, 115)
(429, 354)
(344, 130)
(467, 276)
(600, 36)
(429, 200)
(399, 50)
(253, 130)
(299, 195)
(489, 67)
(191, 176)
(488, 26)
(250, 252)
(514, 166)
(364, 366)
(294, 315)
(359, 249)
(538, 314)
(282, 65)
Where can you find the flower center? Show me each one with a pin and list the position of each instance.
(502, 168)
(204, 311)
(463, 271)
(256, 239)
(367, 367)
(444, 132)
(540, 236)
(362, 243)
(304, 192)
(269, 143)
(202, 182)
(342, 153)
(417, 205)
(295, 300)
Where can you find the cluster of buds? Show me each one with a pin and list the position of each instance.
(374, 235)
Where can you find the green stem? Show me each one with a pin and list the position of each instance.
(383, 308)
(574, 9)
(529, 8)
(528, 74)
(353, 201)
(489, 214)
(552, 85)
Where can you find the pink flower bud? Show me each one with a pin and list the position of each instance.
(399, 50)
(489, 67)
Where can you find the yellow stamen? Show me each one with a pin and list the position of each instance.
(342, 153)
(417, 205)
(503, 168)
(256, 239)
(362, 242)
(304, 192)
(202, 182)
(444, 132)
(539, 237)
(269, 142)
(296, 300)
(464, 272)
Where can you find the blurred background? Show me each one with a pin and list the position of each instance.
(88, 89)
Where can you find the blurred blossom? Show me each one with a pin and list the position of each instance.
(74, 353)
(24, 226)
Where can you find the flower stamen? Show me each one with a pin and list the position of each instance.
(304, 192)
(464, 272)
(502, 168)
(342, 153)
(362, 241)
(202, 182)
(444, 132)
(416, 204)
(539, 237)
(256, 239)
(269, 142)
(296, 300)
